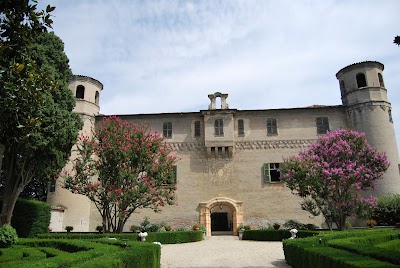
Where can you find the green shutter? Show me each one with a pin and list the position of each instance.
(281, 172)
(266, 173)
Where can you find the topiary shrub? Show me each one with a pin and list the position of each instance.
(31, 217)
(293, 224)
(8, 236)
(387, 212)
(69, 228)
(276, 226)
(134, 228)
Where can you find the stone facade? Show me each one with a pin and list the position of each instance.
(227, 173)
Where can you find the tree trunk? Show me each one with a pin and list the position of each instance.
(12, 189)
(2, 148)
(121, 224)
(342, 223)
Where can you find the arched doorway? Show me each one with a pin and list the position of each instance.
(221, 214)
(221, 220)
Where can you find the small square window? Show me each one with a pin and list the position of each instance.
(167, 129)
(272, 127)
(322, 125)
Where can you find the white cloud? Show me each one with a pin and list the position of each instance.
(167, 56)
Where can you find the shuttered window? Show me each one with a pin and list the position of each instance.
(219, 127)
(271, 172)
(167, 129)
(322, 125)
(272, 127)
(197, 128)
(240, 127)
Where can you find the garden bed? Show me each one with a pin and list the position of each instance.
(77, 253)
(372, 248)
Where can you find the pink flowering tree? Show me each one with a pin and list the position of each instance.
(121, 169)
(331, 174)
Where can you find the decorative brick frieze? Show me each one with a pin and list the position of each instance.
(262, 145)
(248, 145)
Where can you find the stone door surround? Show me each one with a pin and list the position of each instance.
(235, 206)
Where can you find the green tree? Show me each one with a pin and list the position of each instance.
(331, 174)
(397, 40)
(37, 126)
(47, 50)
(121, 169)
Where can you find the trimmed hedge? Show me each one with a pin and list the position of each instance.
(366, 246)
(387, 212)
(8, 236)
(31, 217)
(77, 253)
(335, 250)
(174, 237)
(275, 235)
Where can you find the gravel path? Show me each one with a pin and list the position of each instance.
(223, 252)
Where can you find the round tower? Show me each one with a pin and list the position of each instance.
(70, 209)
(368, 110)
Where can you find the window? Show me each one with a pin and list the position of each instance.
(240, 127)
(96, 98)
(272, 128)
(361, 82)
(272, 172)
(219, 127)
(342, 87)
(167, 129)
(381, 84)
(322, 125)
(80, 92)
(390, 116)
(197, 128)
(52, 186)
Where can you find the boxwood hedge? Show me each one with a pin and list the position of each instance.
(274, 235)
(174, 237)
(31, 217)
(80, 253)
(355, 249)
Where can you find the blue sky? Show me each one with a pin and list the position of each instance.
(167, 56)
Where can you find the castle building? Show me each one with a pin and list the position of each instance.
(229, 159)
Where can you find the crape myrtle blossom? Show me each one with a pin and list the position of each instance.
(331, 174)
(121, 169)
